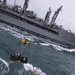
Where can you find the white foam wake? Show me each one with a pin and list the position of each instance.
(2, 60)
(4, 67)
(17, 33)
(35, 70)
(57, 47)
(45, 44)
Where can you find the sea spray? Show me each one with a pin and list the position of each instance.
(4, 67)
(35, 70)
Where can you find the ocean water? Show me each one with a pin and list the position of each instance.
(44, 58)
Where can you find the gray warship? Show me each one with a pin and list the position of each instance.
(27, 20)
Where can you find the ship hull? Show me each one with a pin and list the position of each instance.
(19, 22)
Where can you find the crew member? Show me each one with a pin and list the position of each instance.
(24, 41)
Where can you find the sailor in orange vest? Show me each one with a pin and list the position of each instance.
(24, 41)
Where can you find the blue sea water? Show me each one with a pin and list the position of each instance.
(44, 57)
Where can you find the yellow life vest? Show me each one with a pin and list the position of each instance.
(24, 41)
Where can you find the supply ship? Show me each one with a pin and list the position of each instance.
(27, 20)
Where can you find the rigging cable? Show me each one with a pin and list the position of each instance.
(35, 7)
(16, 50)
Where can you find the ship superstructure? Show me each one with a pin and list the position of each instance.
(28, 21)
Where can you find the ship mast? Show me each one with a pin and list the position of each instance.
(14, 2)
(25, 6)
(55, 16)
(47, 15)
(4, 2)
